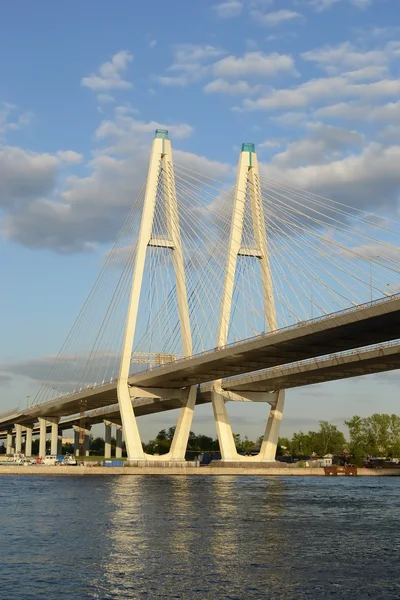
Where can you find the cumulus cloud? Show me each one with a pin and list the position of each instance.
(273, 19)
(317, 91)
(323, 5)
(12, 119)
(25, 175)
(110, 73)
(228, 9)
(89, 210)
(336, 59)
(253, 64)
(358, 111)
(191, 63)
(367, 179)
(70, 157)
(221, 86)
(322, 145)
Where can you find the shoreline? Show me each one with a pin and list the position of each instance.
(185, 471)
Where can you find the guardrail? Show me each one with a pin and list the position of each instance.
(264, 334)
(319, 359)
(287, 328)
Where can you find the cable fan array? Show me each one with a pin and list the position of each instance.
(325, 256)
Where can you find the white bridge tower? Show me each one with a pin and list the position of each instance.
(247, 190)
(160, 163)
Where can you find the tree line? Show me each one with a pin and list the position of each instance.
(377, 435)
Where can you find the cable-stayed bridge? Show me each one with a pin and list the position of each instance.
(216, 294)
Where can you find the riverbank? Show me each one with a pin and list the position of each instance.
(193, 471)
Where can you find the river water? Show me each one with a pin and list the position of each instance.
(239, 538)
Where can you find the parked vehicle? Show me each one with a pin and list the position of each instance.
(69, 460)
(50, 460)
(13, 459)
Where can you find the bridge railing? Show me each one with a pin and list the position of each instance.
(244, 340)
(11, 411)
(318, 359)
(344, 311)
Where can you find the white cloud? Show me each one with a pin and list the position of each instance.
(322, 5)
(367, 180)
(228, 9)
(367, 73)
(12, 119)
(324, 143)
(335, 59)
(221, 86)
(88, 210)
(109, 75)
(271, 143)
(357, 110)
(253, 64)
(105, 98)
(273, 19)
(25, 175)
(124, 127)
(322, 90)
(70, 157)
(191, 63)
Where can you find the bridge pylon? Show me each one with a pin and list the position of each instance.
(248, 190)
(160, 169)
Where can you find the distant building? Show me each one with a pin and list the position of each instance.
(321, 461)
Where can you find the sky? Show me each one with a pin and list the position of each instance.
(315, 84)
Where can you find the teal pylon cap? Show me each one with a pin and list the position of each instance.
(161, 133)
(248, 148)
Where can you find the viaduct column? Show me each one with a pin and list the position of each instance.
(28, 440)
(54, 435)
(107, 439)
(118, 441)
(42, 437)
(18, 437)
(9, 444)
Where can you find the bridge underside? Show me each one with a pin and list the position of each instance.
(370, 361)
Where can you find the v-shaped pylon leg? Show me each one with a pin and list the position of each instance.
(247, 180)
(160, 161)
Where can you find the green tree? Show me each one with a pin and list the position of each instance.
(329, 439)
(97, 446)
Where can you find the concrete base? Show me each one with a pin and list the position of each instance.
(200, 471)
(161, 464)
(232, 464)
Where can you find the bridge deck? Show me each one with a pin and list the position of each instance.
(367, 325)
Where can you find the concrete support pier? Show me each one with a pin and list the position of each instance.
(76, 442)
(107, 439)
(28, 440)
(18, 438)
(42, 437)
(77, 432)
(118, 438)
(86, 443)
(54, 436)
(59, 443)
(9, 445)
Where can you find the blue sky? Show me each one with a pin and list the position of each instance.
(315, 84)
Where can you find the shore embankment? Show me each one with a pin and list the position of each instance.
(196, 472)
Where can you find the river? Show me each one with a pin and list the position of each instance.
(237, 538)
